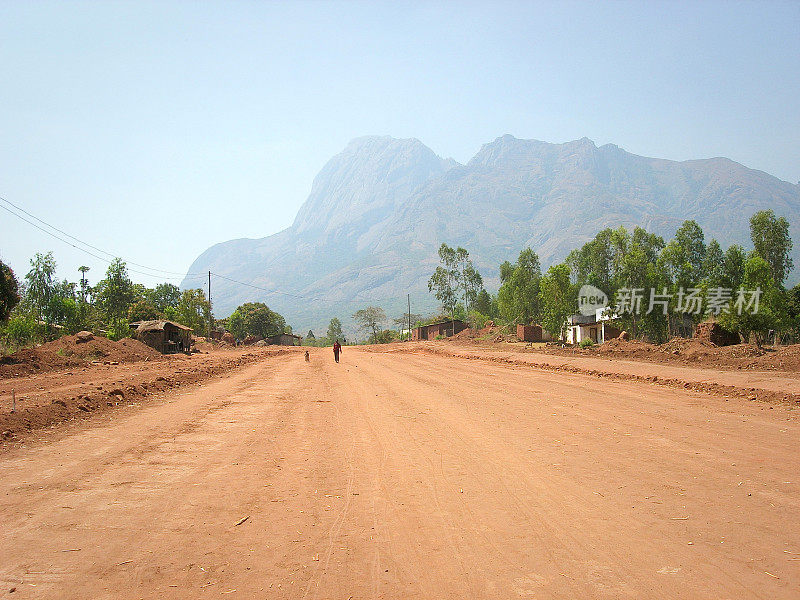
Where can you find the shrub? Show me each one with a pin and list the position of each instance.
(477, 320)
(383, 337)
(587, 343)
(19, 331)
(118, 330)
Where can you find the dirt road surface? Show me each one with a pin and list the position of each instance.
(397, 475)
(781, 382)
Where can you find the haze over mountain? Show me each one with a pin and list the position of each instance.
(378, 211)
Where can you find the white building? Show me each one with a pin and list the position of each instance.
(593, 327)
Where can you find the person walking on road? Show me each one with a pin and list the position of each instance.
(337, 347)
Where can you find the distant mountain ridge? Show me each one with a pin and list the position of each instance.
(378, 211)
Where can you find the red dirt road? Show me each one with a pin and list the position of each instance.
(396, 475)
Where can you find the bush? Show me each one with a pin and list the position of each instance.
(587, 343)
(384, 337)
(477, 320)
(19, 331)
(118, 330)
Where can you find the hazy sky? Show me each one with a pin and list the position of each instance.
(154, 130)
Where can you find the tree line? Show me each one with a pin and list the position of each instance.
(656, 289)
(40, 307)
(660, 289)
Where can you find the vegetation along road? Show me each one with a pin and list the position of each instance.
(399, 474)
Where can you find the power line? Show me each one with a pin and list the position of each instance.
(316, 298)
(258, 287)
(196, 275)
(54, 228)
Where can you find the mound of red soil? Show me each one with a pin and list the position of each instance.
(69, 351)
(714, 332)
(31, 360)
(688, 347)
(695, 352)
(783, 358)
(743, 351)
(467, 334)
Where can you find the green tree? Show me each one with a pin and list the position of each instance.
(142, 311)
(310, 335)
(793, 309)
(471, 281)
(555, 298)
(713, 265)
(140, 292)
(194, 311)
(640, 268)
(772, 307)
(593, 263)
(518, 298)
(66, 312)
(690, 237)
(255, 318)
(682, 259)
(115, 293)
(771, 241)
(40, 284)
(334, 331)
(444, 283)
(9, 291)
(370, 319)
(84, 283)
(484, 304)
(163, 296)
(236, 326)
(733, 267)
(620, 241)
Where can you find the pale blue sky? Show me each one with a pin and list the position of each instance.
(153, 130)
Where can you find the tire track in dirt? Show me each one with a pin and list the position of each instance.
(335, 529)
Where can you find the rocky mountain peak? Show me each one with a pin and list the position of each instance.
(378, 211)
(367, 180)
(509, 152)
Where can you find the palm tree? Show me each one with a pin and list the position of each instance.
(83, 270)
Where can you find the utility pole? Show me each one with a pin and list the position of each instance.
(409, 317)
(210, 313)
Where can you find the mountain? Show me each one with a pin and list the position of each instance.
(378, 211)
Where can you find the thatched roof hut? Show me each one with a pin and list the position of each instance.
(165, 336)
